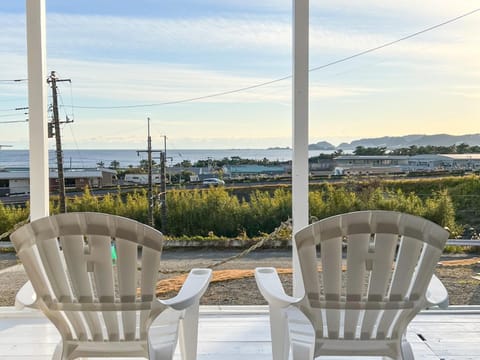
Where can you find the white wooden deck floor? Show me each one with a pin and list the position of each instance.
(234, 333)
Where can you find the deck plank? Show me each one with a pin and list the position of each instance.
(452, 335)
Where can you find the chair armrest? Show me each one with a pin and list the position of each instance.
(437, 293)
(271, 288)
(26, 297)
(192, 290)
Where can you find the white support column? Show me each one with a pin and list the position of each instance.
(37, 102)
(300, 126)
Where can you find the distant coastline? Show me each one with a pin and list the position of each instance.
(390, 142)
(91, 158)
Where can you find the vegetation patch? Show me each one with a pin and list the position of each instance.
(244, 214)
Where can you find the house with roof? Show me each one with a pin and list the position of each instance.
(236, 171)
(370, 164)
(17, 180)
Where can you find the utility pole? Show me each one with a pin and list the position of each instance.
(151, 202)
(151, 199)
(52, 80)
(163, 183)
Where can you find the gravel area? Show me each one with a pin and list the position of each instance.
(462, 287)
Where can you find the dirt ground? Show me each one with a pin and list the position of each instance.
(234, 284)
(462, 288)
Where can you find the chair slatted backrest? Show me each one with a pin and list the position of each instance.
(84, 291)
(375, 291)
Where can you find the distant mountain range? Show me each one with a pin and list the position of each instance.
(394, 142)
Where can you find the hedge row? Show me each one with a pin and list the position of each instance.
(217, 211)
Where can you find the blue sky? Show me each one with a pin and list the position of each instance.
(150, 52)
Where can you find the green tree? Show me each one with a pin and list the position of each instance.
(144, 164)
(186, 163)
(360, 150)
(114, 164)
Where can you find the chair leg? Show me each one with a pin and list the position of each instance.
(302, 351)
(57, 355)
(302, 335)
(62, 351)
(161, 352)
(163, 336)
(406, 350)
(188, 334)
(279, 333)
(403, 351)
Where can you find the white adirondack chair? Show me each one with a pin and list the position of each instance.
(102, 308)
(361, 305)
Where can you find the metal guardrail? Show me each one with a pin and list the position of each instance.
(463, 242)
(456, 242)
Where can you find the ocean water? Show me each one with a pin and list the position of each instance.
(90, 158)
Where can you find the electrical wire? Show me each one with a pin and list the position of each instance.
(13, 121)
(62, 105)
(12, 80)
(15, 109)
(335, 62)
(10, 115)
(72, 102)
(77, 148)
(395, 41)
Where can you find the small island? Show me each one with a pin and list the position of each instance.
(280, 148)
(321, 145)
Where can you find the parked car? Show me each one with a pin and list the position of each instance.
(213, 182)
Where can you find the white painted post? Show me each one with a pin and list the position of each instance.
(37, 102)
(300, 127)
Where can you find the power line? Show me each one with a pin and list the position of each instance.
(15, 109)
(12, 80)
(335, 62)
(10, 115)
(185, 100)
(13, 121)
(395, 41)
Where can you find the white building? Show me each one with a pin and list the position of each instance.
(370, 164)
(141, 179)
(449, 162)
(384, 164)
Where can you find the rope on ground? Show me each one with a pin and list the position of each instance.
(15, 227)
(284, 226)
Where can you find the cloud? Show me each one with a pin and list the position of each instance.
(119, 60)
(125, 36)
(12, 38)
(253, 42)
(163, 83)
(468, 92)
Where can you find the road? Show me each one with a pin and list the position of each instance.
(174, 260)
(180, 259)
